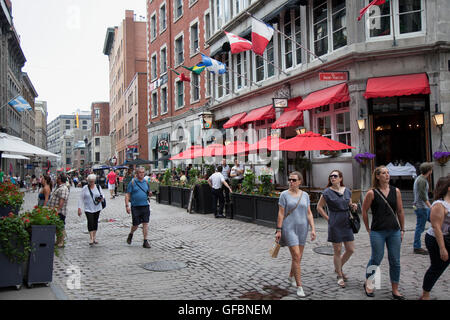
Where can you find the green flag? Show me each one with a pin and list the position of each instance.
(198, 69)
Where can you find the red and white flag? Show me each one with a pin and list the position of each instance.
(373, 3)
(261, 35)
(237, 43)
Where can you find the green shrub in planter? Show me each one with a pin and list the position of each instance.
(14, 238)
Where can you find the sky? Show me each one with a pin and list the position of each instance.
(63, 43)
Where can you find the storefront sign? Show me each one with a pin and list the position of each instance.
(163, 146)
(280, 102)
(334, 76)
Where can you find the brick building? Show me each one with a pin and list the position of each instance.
(177, 31)
(125, 47)
(99, 145)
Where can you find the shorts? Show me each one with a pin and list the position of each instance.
(111, 186)
(140, 215)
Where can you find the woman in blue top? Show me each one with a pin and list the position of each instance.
(293, 229)
(338, 199)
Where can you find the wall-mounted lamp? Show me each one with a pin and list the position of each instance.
(438, 119)
(300, 130)
(361, 124)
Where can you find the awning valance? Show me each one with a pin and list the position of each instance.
(335, 94)
(154, 144)
(290, 118)
(267, 112)
(394, 86)
(235, 121)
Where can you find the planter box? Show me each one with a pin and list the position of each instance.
(11, 274)
(243, 207)
(203, 199)
(164, 194)
(154, 187)
(4, 211)
(266, 210)
(176, 196)
(185, 195)
(40, 263)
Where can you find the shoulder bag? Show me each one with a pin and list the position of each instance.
(355, 221)
(96, 202)
(276, 246)
(148, 191)
(389, 206)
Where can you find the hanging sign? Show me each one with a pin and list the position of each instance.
(163, 146)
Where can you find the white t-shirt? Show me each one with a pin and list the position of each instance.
(217, 180)
(234, 171)
(446, 224)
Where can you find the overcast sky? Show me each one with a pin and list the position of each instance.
(63, 43)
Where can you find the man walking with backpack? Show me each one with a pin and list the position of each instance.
(138, 192)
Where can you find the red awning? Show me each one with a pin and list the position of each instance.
(235, 121)
(290, 118)
(335, 94)
(267, 112)
(403, 85)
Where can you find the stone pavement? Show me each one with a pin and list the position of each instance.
(225, 260)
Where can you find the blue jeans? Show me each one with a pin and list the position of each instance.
(422, 216)
(392, 239)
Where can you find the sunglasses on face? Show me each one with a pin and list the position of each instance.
(292, 180)
(334, 176)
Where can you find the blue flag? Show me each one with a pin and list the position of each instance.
(20, 104)
(214, 66)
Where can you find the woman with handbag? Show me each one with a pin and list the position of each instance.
(387, 228)
(437, 238)
(91, 200)
(338, 199)
(294, 214)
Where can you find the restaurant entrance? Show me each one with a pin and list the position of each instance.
(400, 136)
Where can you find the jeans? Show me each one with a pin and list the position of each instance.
(422, 216)
(392, 239)
(437, 267)
(217, 194)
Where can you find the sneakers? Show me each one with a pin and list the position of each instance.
(130, 237)
(292, 281)
(421, 251)
(146, 244)
(300, 292)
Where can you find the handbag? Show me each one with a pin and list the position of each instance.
(355, 221)
(389, 206)
(276, 246)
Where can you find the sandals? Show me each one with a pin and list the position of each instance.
(341, 282)
(343, 275)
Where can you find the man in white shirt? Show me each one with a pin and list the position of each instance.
(237, 172)
(216, 181)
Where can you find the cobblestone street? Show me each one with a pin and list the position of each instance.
(225, 259)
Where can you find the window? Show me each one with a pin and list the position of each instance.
(97, 157)
(218, 14)
(329, 25)
(241, 69)
(178, 7)
(153, 30)
(194, 38)
(163, 56)
(292, 54)
(162, 18)
(67, 121)
(68, 161)
(179, 94)
(154, 104)
(84, 128)
(195, 87)
(97, 142)
(67, 143)
(164, 100)
(84, 122)
(264, 69)
(333, 121)
(179, 53)
(82, 152)
(207, 26)
(208, 84)
(154, 73)
(97, 128)
(97, 113)
(409, 19)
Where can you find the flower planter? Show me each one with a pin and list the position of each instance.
(176, 196)
(266, 210)
(164, 194)
(443, 160)
(243, 207)
(203, 199)
(11, 274)
(40, 262)
(4, 211)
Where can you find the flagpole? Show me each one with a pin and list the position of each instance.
(246, 79)
(9, 101)
(292, 39)
(272, 64)
(393, 23)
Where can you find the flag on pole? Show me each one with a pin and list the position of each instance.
(213, 65)
(262, 33)
(198, 69)
(237, 43)
(78, 121)
(373, 3)
(20, 104)
(184, 78)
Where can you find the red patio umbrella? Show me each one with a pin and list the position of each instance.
(236, 147)
(214, 150)
(268, 143)
(191, 153)
(311, 141)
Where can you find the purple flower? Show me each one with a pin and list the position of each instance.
(366, 155)
(441, 154)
